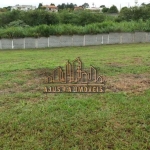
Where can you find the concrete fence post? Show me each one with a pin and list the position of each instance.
(108, 39)
(12, 44)
(48, 41)
(102, 39)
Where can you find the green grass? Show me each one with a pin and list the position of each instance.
(118, 119)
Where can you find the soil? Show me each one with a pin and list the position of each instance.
(129, 83)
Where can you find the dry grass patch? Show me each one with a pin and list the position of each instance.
(129, 83)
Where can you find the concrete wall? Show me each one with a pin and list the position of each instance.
(127, 38)
(75, 40)
(114, 38)
(6, 43)
(90, 40)
(42, 42)
(78, 40)
(18, 43)
(148, 37)
(54, 41)
(140, 37)
(30, 43)
(103, 38)
(66, 40)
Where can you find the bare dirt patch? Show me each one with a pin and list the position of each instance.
(128, 83)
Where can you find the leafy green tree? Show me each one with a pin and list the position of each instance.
(68, 18)
(135, 13)
(86, 17)
(66, 6)
(9, 16)
(102, 6)
(105, 10)
(113, 9)
(85, 5)
(40, 6)
(17, 23)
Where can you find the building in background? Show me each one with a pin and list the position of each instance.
(94, 8)
(23, 7)
(50, 8)
(76, 8)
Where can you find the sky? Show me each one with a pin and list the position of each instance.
(107, 3)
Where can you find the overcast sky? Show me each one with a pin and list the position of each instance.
(97, 3)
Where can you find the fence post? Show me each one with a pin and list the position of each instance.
(24, 43)
(108, 39)
(102, 40)
(12, 44)
(48, 41)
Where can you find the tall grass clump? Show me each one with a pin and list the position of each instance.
(69, 29)
(12, 32)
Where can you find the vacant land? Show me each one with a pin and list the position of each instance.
(118, 119)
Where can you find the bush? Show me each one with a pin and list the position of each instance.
(69, 29)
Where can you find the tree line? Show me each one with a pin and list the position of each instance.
(39, 22)
(38, 17)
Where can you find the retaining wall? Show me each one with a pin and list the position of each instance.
(75, 40)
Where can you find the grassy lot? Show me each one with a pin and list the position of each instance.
(118, 119)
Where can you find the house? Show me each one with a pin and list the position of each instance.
(94, 9)
(23, 7)
(50, 8)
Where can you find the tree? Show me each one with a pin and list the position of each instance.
(3, 10)
(105, 10)
(62, 6)
(113, 9)
(85, 5)
(52, 4)
(123, 9)
(102, 6)
(40, 6)
(143, 4)
(67, 6)
(8, 8)
(125, 14)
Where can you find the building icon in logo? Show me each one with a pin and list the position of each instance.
(74, 73)
(74, 76)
